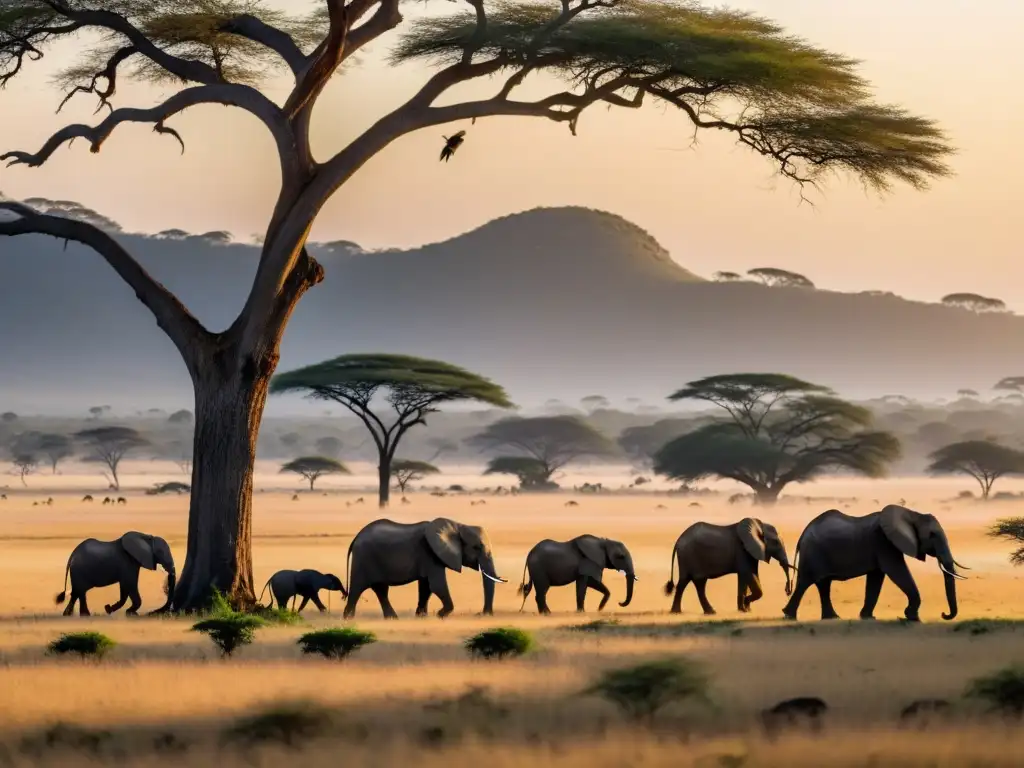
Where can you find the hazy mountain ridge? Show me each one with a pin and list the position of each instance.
(556, 302)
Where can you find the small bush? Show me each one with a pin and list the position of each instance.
(499, 643)
(1003, 690)
(274, 615)
(231, 631)
(597, 625)
(642, 690)
(286, 724)
(84, 644)
(335, 643)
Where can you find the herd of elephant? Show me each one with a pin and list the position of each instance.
(833, 547)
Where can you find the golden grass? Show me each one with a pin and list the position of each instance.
(164, 679)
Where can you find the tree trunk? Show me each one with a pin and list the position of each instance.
(766, 496)
(384, 485)
(219, 555)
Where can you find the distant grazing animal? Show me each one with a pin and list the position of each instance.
(581, 561)
(792, 711)
(96, 563)
(359, 500)
(661, 506)
(452, 143)
(405, 500)
(87, 497)
(107, 500)
(694, 503)
(3, 497)
(571, 503)
(706, 551)
(295, 497)
(288, 585)
(35, 503)
(921, 708)
(122, 500)
(478, 501)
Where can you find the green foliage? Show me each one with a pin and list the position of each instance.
(984, 460)
(406, 471)
(281, 616)
(287, 724)
(641, 690)
(312, 467)
(336, 643)
(83, 643)
(1011, 528)
(533, 474)
(227, 628)
(499, 643)
(1003, 690)
(554, 441)
(779, 430)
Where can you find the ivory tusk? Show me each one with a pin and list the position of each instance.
(954, 575)
(962, 567)
(497, 579)
(624, 573)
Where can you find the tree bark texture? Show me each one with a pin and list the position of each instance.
(384, 483)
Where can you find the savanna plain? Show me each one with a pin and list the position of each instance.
(165, 696)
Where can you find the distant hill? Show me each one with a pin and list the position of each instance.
(552, 303)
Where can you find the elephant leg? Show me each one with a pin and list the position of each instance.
(677, 601)
(316, 601)
(756, 593)
(701, 586)
(896, 569)
(596, 585)
(136, 603)
(439, 586)
(70, 608)
(354, 593)
(305, 601)
(871, 593)
(83, 606)
(282, 601)
(581, 592)
(424, 597)
(825, 593)
(803, 583)
(381, 591)
(541, 595)
(119, 604)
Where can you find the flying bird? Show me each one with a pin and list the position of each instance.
(451, 143)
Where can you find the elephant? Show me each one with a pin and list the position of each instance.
(285, 585)
(387, 554)
(706, 551)
(581, 561)
(95, 563)
(837, 547)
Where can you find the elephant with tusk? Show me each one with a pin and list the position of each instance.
(706, 551)
(837, 547)
(95, 563)
(387, 554)
(581, 561)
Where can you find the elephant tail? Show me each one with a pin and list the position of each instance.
(670, 584)
(59, 599)
(524, 587)
(260, 600)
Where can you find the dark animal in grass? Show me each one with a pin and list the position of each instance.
(920, 710)
(451, 143)
(290, 585)
(87, 497)
(792, 712)
(122, 500)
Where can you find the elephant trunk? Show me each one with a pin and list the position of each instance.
(787, 569)
(489, 578)
(950, 597)
(169, 590)
(630, 578)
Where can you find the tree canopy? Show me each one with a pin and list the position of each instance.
(974, 302)
(780, 277)
(53, 446)
(314, 467)
(108, 445)
(554, 441)
(642, 442)
(411, 387)
(406, 471)
(779, 430)
(984, 460)
(533, 474)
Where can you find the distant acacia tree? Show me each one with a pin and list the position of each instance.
(25, 464)
(642, 442)
(554, 441)
(314, 467)
(594, 402)
(779, 430)
(984, 460)
(1011, 528)
(184, 416)
(412, 387)
(55, 448)
(727, 277)
(8, 417)
(290, 439)
(98, 410)
(108, 445)
(780, 277)
(407, 471)
(974, 302)
(1011, 384)
(804, 109)
(533, 474)
(441, 446)
(968, 393)
(329, 446)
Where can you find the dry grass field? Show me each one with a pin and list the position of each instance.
(164, 696)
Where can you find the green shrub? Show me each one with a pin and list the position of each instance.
(274, 615)
(230, 631)
(83, 643)
(640, 691)
(597, 625)
(335, 643)
(285, 724)
(499, 643)
(1003, 690)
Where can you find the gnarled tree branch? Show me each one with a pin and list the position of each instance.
(277, 40)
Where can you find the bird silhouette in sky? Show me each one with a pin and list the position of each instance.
(451, 143)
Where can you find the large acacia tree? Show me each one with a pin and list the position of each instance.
(804, 109)
(412, 388)
(779, 430)
(984, 460)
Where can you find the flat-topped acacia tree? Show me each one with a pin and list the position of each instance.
(804, 109)
(412, 388)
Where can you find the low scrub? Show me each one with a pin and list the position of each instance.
(274, 615)
(1003, 690)
(227, 628)
(287, 724)
(499, 643)
(85, 644)
(641, 691)
(337, 643)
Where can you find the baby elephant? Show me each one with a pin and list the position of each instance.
(285, 585)
(792, 711)
(580, 561)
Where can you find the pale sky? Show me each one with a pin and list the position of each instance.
(714, 207)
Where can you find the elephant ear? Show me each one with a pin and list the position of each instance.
(898, 526)
(139, 546)
(752, 537)
(594, 555)
(444, 540)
